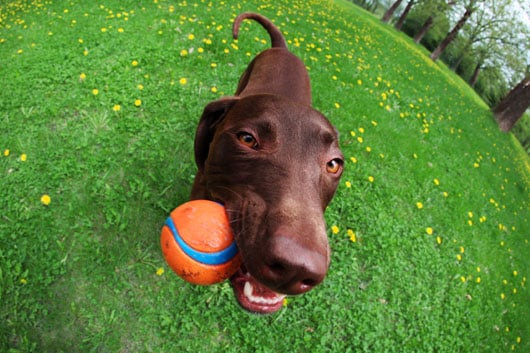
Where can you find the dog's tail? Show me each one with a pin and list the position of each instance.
(277, 39)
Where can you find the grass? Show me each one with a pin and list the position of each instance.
(429, 228)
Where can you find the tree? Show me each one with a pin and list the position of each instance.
(513, 105)
(404, 15)
(388, 14)
(470, 8)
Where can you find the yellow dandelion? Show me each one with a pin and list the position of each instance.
(23, 157)
(458, 257)
(361, 130)
(436, 182)
(191, 36)
(515, 273)
(213, 65)
(439, 240)
(82, 76)
(95, 91)
(503, 296)
(368, 149)
(45, 199)
(348, 184)
(6, 152)
(337, 105)
(134, 63)
(140, 86)
(478, 280)
(120, 30)
(214, 89)
(429, 230)
(419, 205)
(138, 102)
(353, 159)
(335, 229)
(183, 81)
(200, 50)
(85, 52)
(415, 156)
(462, 250)
(183, 52)
(360, 139)
(463, 279)
(285, 302)
(371, 179)
(23, 281)
(160, 271)
(351, 235)
(116, 108)
(103, 29)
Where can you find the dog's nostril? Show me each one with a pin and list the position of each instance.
(277, 268)
(309, 283)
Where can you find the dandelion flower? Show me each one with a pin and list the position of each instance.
(6, 153)
(348, 184)
(23, 157)
(337, 105)
(439, 240)
(503, 296)
(183, 52)
(334, 229)
(515, 273)
(419, 205)
(429, 230)
(183, 81)
(360, 139)
(160, 271)
(458, 257)
(351, 235)
(214, 89)
(436, 182)
(371, 179)
(140, 86)
(95, 91)
(353, 159)
(82, 76)
(45, 199)
(134, 63)
(478, 280)
(285, 302)
(23, 281)
(116, 108)
(138, 102)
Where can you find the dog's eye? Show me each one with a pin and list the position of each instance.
(247, 139)
(334, 166)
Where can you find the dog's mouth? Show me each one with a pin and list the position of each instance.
(254, 296)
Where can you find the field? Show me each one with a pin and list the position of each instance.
(429, 228)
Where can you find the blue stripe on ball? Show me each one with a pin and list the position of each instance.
(214, 258)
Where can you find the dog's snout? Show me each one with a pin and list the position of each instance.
(293, 268)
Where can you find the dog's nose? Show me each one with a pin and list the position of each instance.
(292, 267)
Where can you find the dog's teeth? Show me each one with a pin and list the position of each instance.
(248, 291)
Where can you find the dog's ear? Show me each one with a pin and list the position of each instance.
(212, 115)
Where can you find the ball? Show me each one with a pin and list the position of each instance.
(198, 243)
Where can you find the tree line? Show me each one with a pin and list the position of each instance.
(484, 41)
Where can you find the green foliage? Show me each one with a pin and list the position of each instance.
(429, 228)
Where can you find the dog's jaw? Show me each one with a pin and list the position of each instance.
(253, 296)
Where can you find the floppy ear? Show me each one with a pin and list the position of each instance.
(212, 115)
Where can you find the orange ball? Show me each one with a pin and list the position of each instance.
(198, 244)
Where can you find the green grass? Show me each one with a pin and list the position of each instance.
(83, 273)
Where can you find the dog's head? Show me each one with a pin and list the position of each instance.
(275, 165)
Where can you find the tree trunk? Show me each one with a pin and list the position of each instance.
(388, 14)
(512, 107)
(424, 29)
(451, 35)
(404, 15)
(474, 78)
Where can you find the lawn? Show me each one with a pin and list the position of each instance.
(429, 228)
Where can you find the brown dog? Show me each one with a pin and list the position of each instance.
(274, 162)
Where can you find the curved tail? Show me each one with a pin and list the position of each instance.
(277, 39)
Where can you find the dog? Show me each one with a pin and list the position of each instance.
(274, 162)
